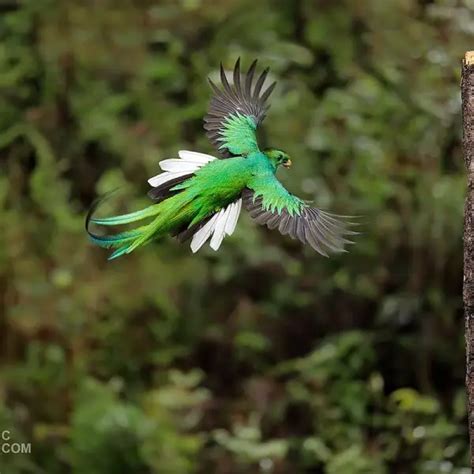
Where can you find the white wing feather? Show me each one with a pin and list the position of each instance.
(219, 230)
(201, 236)
(195, 156)
(233, 216)
(161, 178)
(189, 162)
(176, 165)
(218, 226)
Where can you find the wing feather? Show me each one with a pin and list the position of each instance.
(235, 111)
(272, 205)
(161, 178)
(201, 236)
(219, 225)
(233, 217)
(176, 171)
(219, 231)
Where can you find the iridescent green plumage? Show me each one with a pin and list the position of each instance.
(199, 197)
(238, 135)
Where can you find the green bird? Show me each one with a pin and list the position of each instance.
(199, 196)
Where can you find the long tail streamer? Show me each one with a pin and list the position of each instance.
(123, 242)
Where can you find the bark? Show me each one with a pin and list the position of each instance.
(467, 91)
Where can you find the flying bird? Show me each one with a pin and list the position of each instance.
(199, 196)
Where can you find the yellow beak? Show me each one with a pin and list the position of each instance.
(287, 164)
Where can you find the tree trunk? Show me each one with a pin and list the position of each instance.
(467, 91)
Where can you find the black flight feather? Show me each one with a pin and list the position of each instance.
(240, 97)
(323, 231)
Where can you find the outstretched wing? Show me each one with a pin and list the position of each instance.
(236, 110)
(271, 204)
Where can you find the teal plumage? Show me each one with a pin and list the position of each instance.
(200, 197)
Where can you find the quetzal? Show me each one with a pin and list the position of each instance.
(199, 197)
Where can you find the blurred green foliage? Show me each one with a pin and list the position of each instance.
(263, 357)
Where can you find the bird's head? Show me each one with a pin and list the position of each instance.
(278, 157)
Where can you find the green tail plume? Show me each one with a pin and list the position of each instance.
(123, 242)
(126, 218)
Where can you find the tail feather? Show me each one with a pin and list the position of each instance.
(149, 211)
(125, 249)
(118, 252)
(120, 241)
(111, 241)
(164, 217)
(126, 245)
